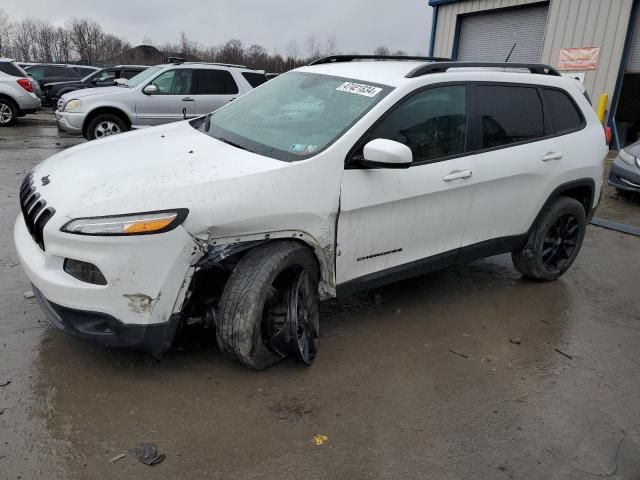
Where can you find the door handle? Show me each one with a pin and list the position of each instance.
(231, 100)
(552, 156)
(457, 175)
(187, 99)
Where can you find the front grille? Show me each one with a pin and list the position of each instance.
(34, 208)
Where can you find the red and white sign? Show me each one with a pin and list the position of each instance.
(584, 58)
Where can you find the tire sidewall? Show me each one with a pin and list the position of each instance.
(91, 128)
(562, 207)
(14, 112)
(255, 353)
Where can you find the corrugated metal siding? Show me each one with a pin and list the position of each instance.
(447, 16)
(571, 23)
(587, 23)
(633, 63)
(521, 29)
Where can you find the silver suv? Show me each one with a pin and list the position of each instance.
(160, 94)
(16, 93)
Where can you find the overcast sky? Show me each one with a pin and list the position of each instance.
(358, 25)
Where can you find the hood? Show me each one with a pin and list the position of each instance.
(90, 92)
(157, 168)
(633, 149)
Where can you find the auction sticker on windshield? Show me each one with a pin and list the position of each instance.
(359, 89)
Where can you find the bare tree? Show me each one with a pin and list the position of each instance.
(399, 52)
(256, 55)
(187, 47)
(232, 52)
(313, 48)
(87, 39)
(331, 47)
(5, 34)
(62, 51)
(382, 50)
(23, 34)
(44, 41)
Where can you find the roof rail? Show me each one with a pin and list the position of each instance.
(351, 58)
(219, 64)
(440, 67)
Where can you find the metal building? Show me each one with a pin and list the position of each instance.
(597, 41)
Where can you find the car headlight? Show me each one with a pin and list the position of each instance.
(133, 224)
(626, 157)
(72, 105)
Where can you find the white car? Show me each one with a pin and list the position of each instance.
(245, 218)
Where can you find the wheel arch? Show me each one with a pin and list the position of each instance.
(324, 255)
(4, 96)
(105, 109)
(583, 190)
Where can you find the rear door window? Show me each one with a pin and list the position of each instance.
(564, 113)
(254, 79)
(215, 82)
(508, 114)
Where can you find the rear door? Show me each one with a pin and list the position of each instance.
(174, 100)
(214, 89)
(516, 159)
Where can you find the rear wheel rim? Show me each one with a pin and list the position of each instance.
(106, 129)
(6, 114)
(560, 242)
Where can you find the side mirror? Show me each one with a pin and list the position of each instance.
(150, 89)
(383, 153)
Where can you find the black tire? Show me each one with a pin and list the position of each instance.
(241, 328)
(546, 256)
(108, 122)
(8, 112)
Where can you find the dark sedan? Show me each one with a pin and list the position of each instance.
(102, 78)
(625, 172)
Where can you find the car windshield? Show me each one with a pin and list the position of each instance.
(144, 75)
(97, 74)
(293, 116)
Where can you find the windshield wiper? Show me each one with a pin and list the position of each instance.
(224, 140)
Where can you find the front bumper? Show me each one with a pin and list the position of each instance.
(106, 330)
(70, 122)
(624, 176)
(146, 275)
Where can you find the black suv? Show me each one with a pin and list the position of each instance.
(45, 73)
(101, 78)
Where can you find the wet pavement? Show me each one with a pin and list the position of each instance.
(423, 383)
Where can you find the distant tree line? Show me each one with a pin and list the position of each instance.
(82, 40)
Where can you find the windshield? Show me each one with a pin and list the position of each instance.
(293, 116)
(100, 75)
(144, 75)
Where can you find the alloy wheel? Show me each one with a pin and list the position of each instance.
(560, 242)
(6, 114)
(106, 128)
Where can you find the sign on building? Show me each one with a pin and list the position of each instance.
(584, 58)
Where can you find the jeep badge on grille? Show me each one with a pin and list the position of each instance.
(45, 180)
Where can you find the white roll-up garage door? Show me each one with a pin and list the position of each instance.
(490, 36)
(633, 62)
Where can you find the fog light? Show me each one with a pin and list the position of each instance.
(83, 271)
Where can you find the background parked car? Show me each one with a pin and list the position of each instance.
(45, 73)
(105, 77)
(17, 97)
(84, 70)
(160, 94)
(625, 172)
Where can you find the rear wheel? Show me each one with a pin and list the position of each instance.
(554, 241)
(8, 112)
(269, 307)
(105, 125)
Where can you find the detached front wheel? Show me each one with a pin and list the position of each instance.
(269, 307)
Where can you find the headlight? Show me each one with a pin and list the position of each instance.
(133, 224)
(626, 157)
(74, 104)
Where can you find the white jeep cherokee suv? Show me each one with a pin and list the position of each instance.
(335, 177)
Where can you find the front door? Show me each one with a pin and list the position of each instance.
(214, 89)
(174, 100)
(397, 220)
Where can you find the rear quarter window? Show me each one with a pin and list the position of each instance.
(254, 79)
(215, 82)
(11, 69)
(564, 113)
